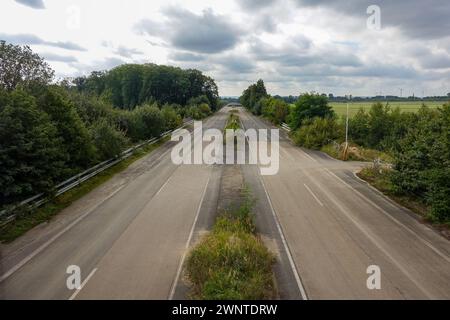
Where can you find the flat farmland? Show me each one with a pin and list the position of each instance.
(410, 106)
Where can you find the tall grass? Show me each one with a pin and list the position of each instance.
(231, 262)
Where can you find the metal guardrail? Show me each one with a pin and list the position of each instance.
(285, 126)
(8, 215)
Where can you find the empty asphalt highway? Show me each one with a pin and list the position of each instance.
(336, 226)
(130, 236)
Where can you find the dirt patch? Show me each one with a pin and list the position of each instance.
(231, 187)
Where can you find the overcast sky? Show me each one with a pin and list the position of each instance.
(294, 45)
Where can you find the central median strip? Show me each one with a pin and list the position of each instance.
(231, 261)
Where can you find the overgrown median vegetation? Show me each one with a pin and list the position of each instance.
(414, 147)
(231, 262)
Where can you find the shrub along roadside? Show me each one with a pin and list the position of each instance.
(381, 180)
(231, 262)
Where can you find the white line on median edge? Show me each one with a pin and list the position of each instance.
(59, 234)
(283, 239)
(73, 296)
(180, 267)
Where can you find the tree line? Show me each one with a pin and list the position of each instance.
(130, 85)
(51, 131)
(418, 143)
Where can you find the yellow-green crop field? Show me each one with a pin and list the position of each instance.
(411, 106)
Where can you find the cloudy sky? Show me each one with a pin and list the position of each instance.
(332, 46)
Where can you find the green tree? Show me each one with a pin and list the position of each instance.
(172, 120)
(422, 161)
(31, 156)
(308, 106)
(317, 132)
(276, 110)
(77, 142)
(109, 141)
(151, 119)
(251, 97)
(359, 127)
(19, 65)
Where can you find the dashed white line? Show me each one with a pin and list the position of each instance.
(59, 234)
(312, 193)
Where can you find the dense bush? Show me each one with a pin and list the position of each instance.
(308, 106)
(381, 127)
(109, 141)
(31, 156)
(275, 110)
(198, 112)
(77, 144)
(171, 118)
(149, 120)
(422, 161)
(318, 132)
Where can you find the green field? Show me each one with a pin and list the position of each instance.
(341, 107)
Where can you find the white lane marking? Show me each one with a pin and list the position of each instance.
(59, 234)
(283, 239)
(304, 153)
(374, 240)
(74, 295)
(286, 154)
(191, 233)
(312, 193)
(162, 187)
(424, 241)
(286, 247)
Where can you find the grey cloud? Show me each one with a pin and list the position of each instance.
(436, 61)
(98, 65)
(204, 33)
(186, 56)
(299, 51)
(382, 71)
(429, 59)
(126, 52)
(237, 64)
(255, 4)
(416, 18)
(30, 39)
(35, 4)
(147, 26)
(58, 58)
(267, 23)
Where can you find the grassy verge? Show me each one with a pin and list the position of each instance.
(356, 153)
(231, 262)
(233, 122)
(28, 219)
(381, 181)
